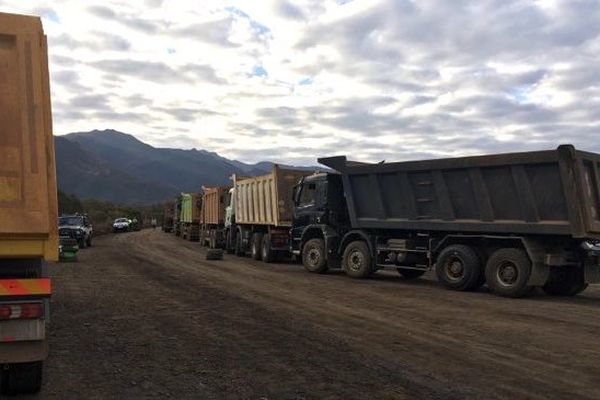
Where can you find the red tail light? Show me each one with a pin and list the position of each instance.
(21, 311)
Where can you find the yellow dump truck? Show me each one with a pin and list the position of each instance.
(28, 202)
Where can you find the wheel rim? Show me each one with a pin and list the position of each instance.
(355, 260)
(454, 269)
(314, 255)
(507, 273)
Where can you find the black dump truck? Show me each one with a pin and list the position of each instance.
(514, 221)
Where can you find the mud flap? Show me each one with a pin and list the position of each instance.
(539, 274)
(592, 270)
(539, 270)
(331, 244)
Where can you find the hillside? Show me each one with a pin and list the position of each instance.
(114, 166)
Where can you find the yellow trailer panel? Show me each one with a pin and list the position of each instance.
(28, 199)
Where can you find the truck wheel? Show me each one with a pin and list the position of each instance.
(239, 248)
(267, 254)
(256, 246)
(410, 274)
(507, 272)
(313, 256)
(458, 268)
(23, 378)
(564, 281)
(357, 260)
(229, 243)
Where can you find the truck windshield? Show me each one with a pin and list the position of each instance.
(70, 221)
(307, 195)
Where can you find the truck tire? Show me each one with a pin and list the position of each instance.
(357, 260)
(229, 243)
(410, 274)
(458, 267)
(507, 272)
(313, 256)
(256, 245)
(565, 281)
(22, 378)
(239, 247)
(266, 253)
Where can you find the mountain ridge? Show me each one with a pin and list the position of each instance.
(115, 166)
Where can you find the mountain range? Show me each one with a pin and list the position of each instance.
(117, 167)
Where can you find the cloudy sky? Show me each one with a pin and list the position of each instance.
(291, 81)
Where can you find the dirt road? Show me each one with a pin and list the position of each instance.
(142, 315)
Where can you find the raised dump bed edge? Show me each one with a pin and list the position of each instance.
(513, 221)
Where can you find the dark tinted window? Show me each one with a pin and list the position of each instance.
(70, 221)
(307, 195)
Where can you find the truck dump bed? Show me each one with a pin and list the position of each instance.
(28, 197)
(267, 199)
(191, 205)
(213, 205)
(547, 192)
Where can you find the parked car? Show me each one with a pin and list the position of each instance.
(122, 225)
(76, 227)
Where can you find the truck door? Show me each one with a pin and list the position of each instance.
(309, 207)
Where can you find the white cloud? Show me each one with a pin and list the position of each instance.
(283, 80)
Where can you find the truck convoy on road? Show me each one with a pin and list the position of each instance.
(511, 221)
(28, 202)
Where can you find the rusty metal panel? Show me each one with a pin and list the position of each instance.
(28, 197)
(547, 192)
(267, 199)
(214, 204)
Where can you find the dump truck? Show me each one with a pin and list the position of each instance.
(212, 220)
(191, 205)
(28, 203)
(168, 213)
(260, 214)
(177, 216)
(514, 221)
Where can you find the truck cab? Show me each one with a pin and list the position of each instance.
(320, 212)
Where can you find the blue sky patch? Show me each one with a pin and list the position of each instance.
(259, 71)
(306, 81)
